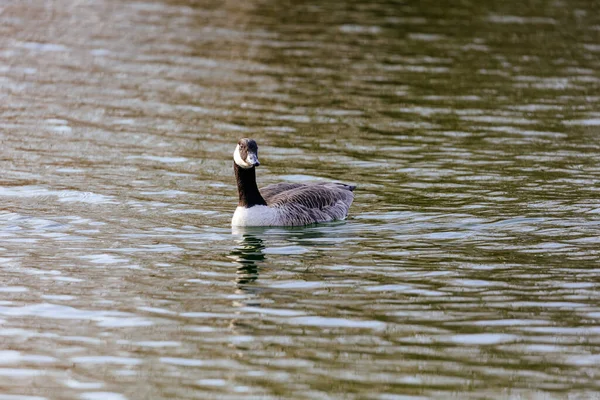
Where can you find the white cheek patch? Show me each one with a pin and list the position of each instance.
(238, 158)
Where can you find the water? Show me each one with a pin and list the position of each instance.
(469, 265)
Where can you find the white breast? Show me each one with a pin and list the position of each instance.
(255, 216)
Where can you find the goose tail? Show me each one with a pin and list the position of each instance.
(347, 187)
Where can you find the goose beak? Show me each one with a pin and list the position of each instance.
(252, 159)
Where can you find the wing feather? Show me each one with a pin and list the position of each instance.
(272, 190)
(302, 204)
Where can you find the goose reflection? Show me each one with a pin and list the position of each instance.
(251, 250)
(248, 255)
(255, 247)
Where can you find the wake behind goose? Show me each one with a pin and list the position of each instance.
(284, 204)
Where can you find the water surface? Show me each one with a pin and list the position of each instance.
(468, 267)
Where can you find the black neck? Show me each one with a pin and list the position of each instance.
(247, 189)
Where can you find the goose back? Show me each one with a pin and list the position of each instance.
(301, 204)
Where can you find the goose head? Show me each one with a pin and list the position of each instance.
(246, 154)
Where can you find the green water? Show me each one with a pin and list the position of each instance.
(468, 267)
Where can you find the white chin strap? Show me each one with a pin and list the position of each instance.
(246, 164)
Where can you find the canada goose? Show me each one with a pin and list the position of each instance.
(283, 204)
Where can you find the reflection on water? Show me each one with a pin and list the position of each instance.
(468, 266)
(251, 251)
(249, 255)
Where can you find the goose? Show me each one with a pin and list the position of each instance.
(284, 204)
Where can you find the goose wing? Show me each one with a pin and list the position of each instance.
(302, 204)
(271, 191)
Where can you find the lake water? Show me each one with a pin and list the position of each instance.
(469, 265)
